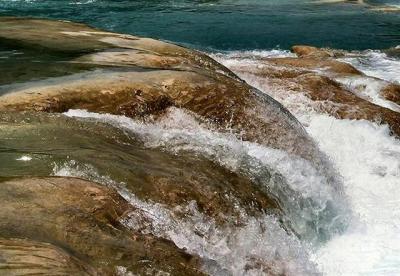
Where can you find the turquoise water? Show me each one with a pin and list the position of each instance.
(229, 24)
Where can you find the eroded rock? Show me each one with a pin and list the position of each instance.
(316, 76)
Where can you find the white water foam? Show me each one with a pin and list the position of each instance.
(369, 160)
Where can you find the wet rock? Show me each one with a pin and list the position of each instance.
(314, 52)
(87, 45)
(314, 59)
(335, 100)
(325, 66)
(83, 219)
(392, 93)
(393, 52)
(26, 257)
(306, 76)
(155, 77)
(71, 37)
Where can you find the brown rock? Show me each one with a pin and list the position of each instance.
(26, 257)
(313, 52)
(83, 219)
(341, 103)
(87, 45)
(392, 93)
(328, 66)
(332, 97)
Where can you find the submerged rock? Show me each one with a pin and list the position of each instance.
(83, 219)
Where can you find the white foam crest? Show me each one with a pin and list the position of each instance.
(254, 54)
(259, 246)
(314, 208)
(376, 64)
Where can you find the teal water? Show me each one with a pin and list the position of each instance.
(229, 24)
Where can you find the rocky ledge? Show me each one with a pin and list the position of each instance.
(334, 86)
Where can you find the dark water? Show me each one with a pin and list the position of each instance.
(229, 24)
